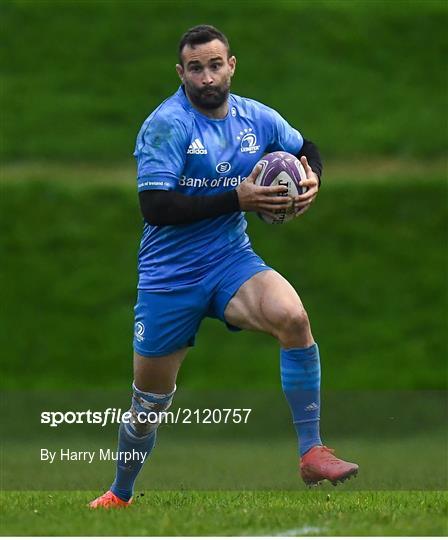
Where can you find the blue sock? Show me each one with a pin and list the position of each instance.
(300, 375)
(139, 446)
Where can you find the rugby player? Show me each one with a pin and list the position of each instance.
(196, 169)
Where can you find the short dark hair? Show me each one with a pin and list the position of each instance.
(202, 33)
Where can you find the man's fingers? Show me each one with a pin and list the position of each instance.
(306, 201)
(255, 172)
(286, 205)
(278, 200)
(309, 182)
(301, 210)
(301, 204)
(306, 196)
(308, 170)
(268, 190)
(310, 191)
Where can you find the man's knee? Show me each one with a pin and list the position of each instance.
(290, 321)
(147, 410)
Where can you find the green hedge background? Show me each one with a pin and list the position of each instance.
(366, 80)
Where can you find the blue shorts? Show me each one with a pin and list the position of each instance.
(167, 320)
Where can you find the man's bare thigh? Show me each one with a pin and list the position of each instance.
(261, 300)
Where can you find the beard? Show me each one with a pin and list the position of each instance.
(208, 98)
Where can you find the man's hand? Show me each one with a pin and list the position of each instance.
(303, 202)
(265, 199)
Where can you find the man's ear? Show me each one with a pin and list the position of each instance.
(180, 72)
(232, 64)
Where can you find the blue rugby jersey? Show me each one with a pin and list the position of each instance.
(180, 149)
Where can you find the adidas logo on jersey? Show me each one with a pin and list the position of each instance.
(196, 147)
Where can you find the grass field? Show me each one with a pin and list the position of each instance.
(226, 463)
(235, 480)
(323, 512)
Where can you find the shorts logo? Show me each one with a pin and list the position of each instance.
(223, 167)
(248, 141)
(139, 331)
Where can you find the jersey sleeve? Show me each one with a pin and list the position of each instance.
(160, 152)
(284, 136)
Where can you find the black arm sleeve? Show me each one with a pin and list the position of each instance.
(172, 208)
(311, 152)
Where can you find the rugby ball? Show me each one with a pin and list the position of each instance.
(284, 169)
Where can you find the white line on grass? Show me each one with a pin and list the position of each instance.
(301, 531)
